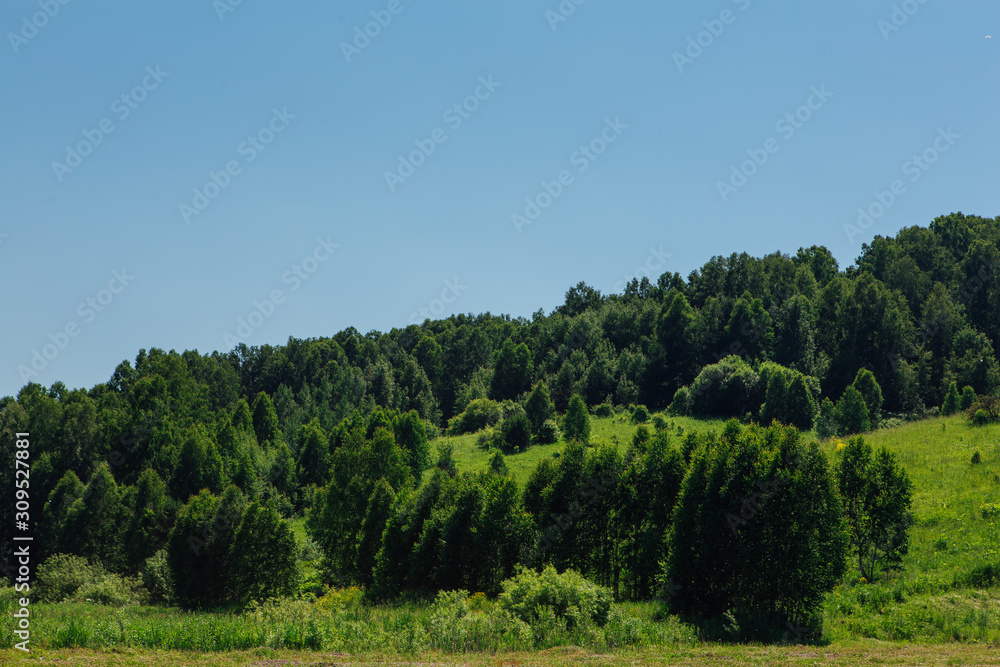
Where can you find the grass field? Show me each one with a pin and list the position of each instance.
(930, 613)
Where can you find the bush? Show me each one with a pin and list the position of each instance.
(478, 414)
(157, 578)
(640, 415)
(63, 578)
(516, 433)
(968, 398)
(603, 410)
(549, 432)
(983, 576)
(681, 403)
(977, 457)
(985, 410)
(659, 423)
(568, 596)
(576, 423)
(951, 401)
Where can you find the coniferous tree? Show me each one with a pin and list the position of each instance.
(576, 424)
(539, 407)
(852, 413)
(775, 405)
(870, 390)
(951, 400)
(265, 420)
(800, 405)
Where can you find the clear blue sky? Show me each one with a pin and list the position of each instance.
(323, 175)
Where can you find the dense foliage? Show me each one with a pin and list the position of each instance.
(181, 460)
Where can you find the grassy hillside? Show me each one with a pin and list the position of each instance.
(617, 430)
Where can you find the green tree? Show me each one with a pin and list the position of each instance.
(242, 419)
(265, 420)
(968, 397)
(263, 558)
(826, 420)
(539, 407)
(870, 390)
(750, 326)
(516, 432)
(676, 330)
(282, 474)
(776, 404)
(152, 516)
(199, 467)
(376, 517)
(576, 424)
(852, 413)
(313, 465)
(800, 405)
(95, 522)
(411, 436)
(757, 531)
(512, 371)
(876, 494)
(498, 466)
(951, 400)
(199, 548)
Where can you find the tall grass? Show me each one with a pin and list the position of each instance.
(405, 629)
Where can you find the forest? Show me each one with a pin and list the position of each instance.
(185, 473)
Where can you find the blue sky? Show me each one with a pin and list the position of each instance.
(115, 113)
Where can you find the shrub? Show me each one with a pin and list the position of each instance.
(826, 420)
(568, 596)
(852, 412)
(983, 576)
(576, 423)
(478, 414)
(549, 432)
(337, 599)
(968, 398)
(63, 577)
(157, 578)
(681, 403)
(989, 510)
(603, 410)
(516, 433)
(659, 423)
(985, 410)
(951, 401)
(640, 415)
(977, 457)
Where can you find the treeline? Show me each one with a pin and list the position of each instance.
(299, 428)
